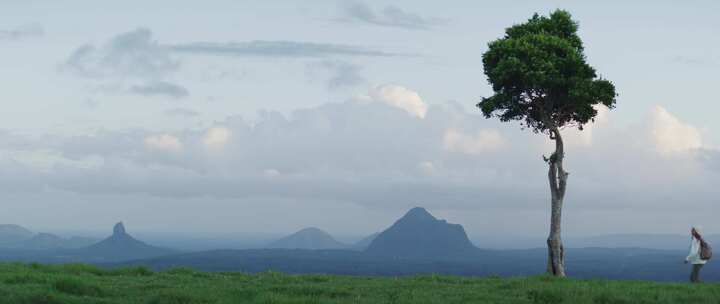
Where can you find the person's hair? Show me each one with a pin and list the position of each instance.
(696, 233)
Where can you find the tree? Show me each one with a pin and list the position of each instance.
(540, 77)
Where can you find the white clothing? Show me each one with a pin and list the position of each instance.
(694, 256)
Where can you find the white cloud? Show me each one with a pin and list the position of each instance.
(671, 135)
(217, 137)
(427, 168)
(163, 142)
(271, 173)
(372, 154)
(584, 137)
(399, 97)
(482, 141)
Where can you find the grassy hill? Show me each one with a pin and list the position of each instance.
(76, 283)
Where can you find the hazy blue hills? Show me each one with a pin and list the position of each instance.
(308, 238)
(49, 241)
(49, 248)
(420, 243)
(18, 237)
(416, 243)
(419, 234)
(12, 234)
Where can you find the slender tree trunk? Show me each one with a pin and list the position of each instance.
(558, 181)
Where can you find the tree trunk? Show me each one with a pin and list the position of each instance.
(558, 181)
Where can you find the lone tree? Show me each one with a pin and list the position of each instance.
(539, 76)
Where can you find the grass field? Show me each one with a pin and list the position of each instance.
(49, 284)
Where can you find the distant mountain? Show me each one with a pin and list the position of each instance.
(365, 242)
(308, 238)
(121, 246)
(42, 241)
(419, 234)
(11, 234)
(48, 241)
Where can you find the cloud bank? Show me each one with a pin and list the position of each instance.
(389, 148)
(390, 16)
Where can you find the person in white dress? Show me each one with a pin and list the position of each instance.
(694, 255)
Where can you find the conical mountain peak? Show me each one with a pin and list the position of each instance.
(308, 238)
(312, 230)
(121, 246)
(119, 229)
(419, 213)
(419, 233)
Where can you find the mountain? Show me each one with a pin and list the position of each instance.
(42, 241)
(121, 246)
(419, 234)
(308, 238)
(11, 234)
(48, 241)
(365, 242)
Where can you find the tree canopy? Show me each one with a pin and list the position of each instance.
(540, 76)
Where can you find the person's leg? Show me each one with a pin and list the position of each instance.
(692, 273)
(695, 275)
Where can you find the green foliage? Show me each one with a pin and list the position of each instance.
(132, 271)
(78, 284)
(40, 298)
(539, 75)
(78, 287)
(176, 298)
(546, 296)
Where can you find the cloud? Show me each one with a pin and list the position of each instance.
(390, 16)
(130, 54)
(135, 62)
(375, 155)
(338, 73)
(399, 97)
(22, 32)
(280, 48)
(271, 173)
(129, 63)
(182, 112)
(159, 88)
(217, 137)
(427, 168)
(671, 135)
(163, 142)
(483, 141)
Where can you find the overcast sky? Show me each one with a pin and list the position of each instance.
(242, 117)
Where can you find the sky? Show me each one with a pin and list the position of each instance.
(217, 118)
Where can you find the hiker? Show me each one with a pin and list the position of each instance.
(700, 253)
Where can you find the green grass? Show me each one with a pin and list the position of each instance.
(76, 283)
